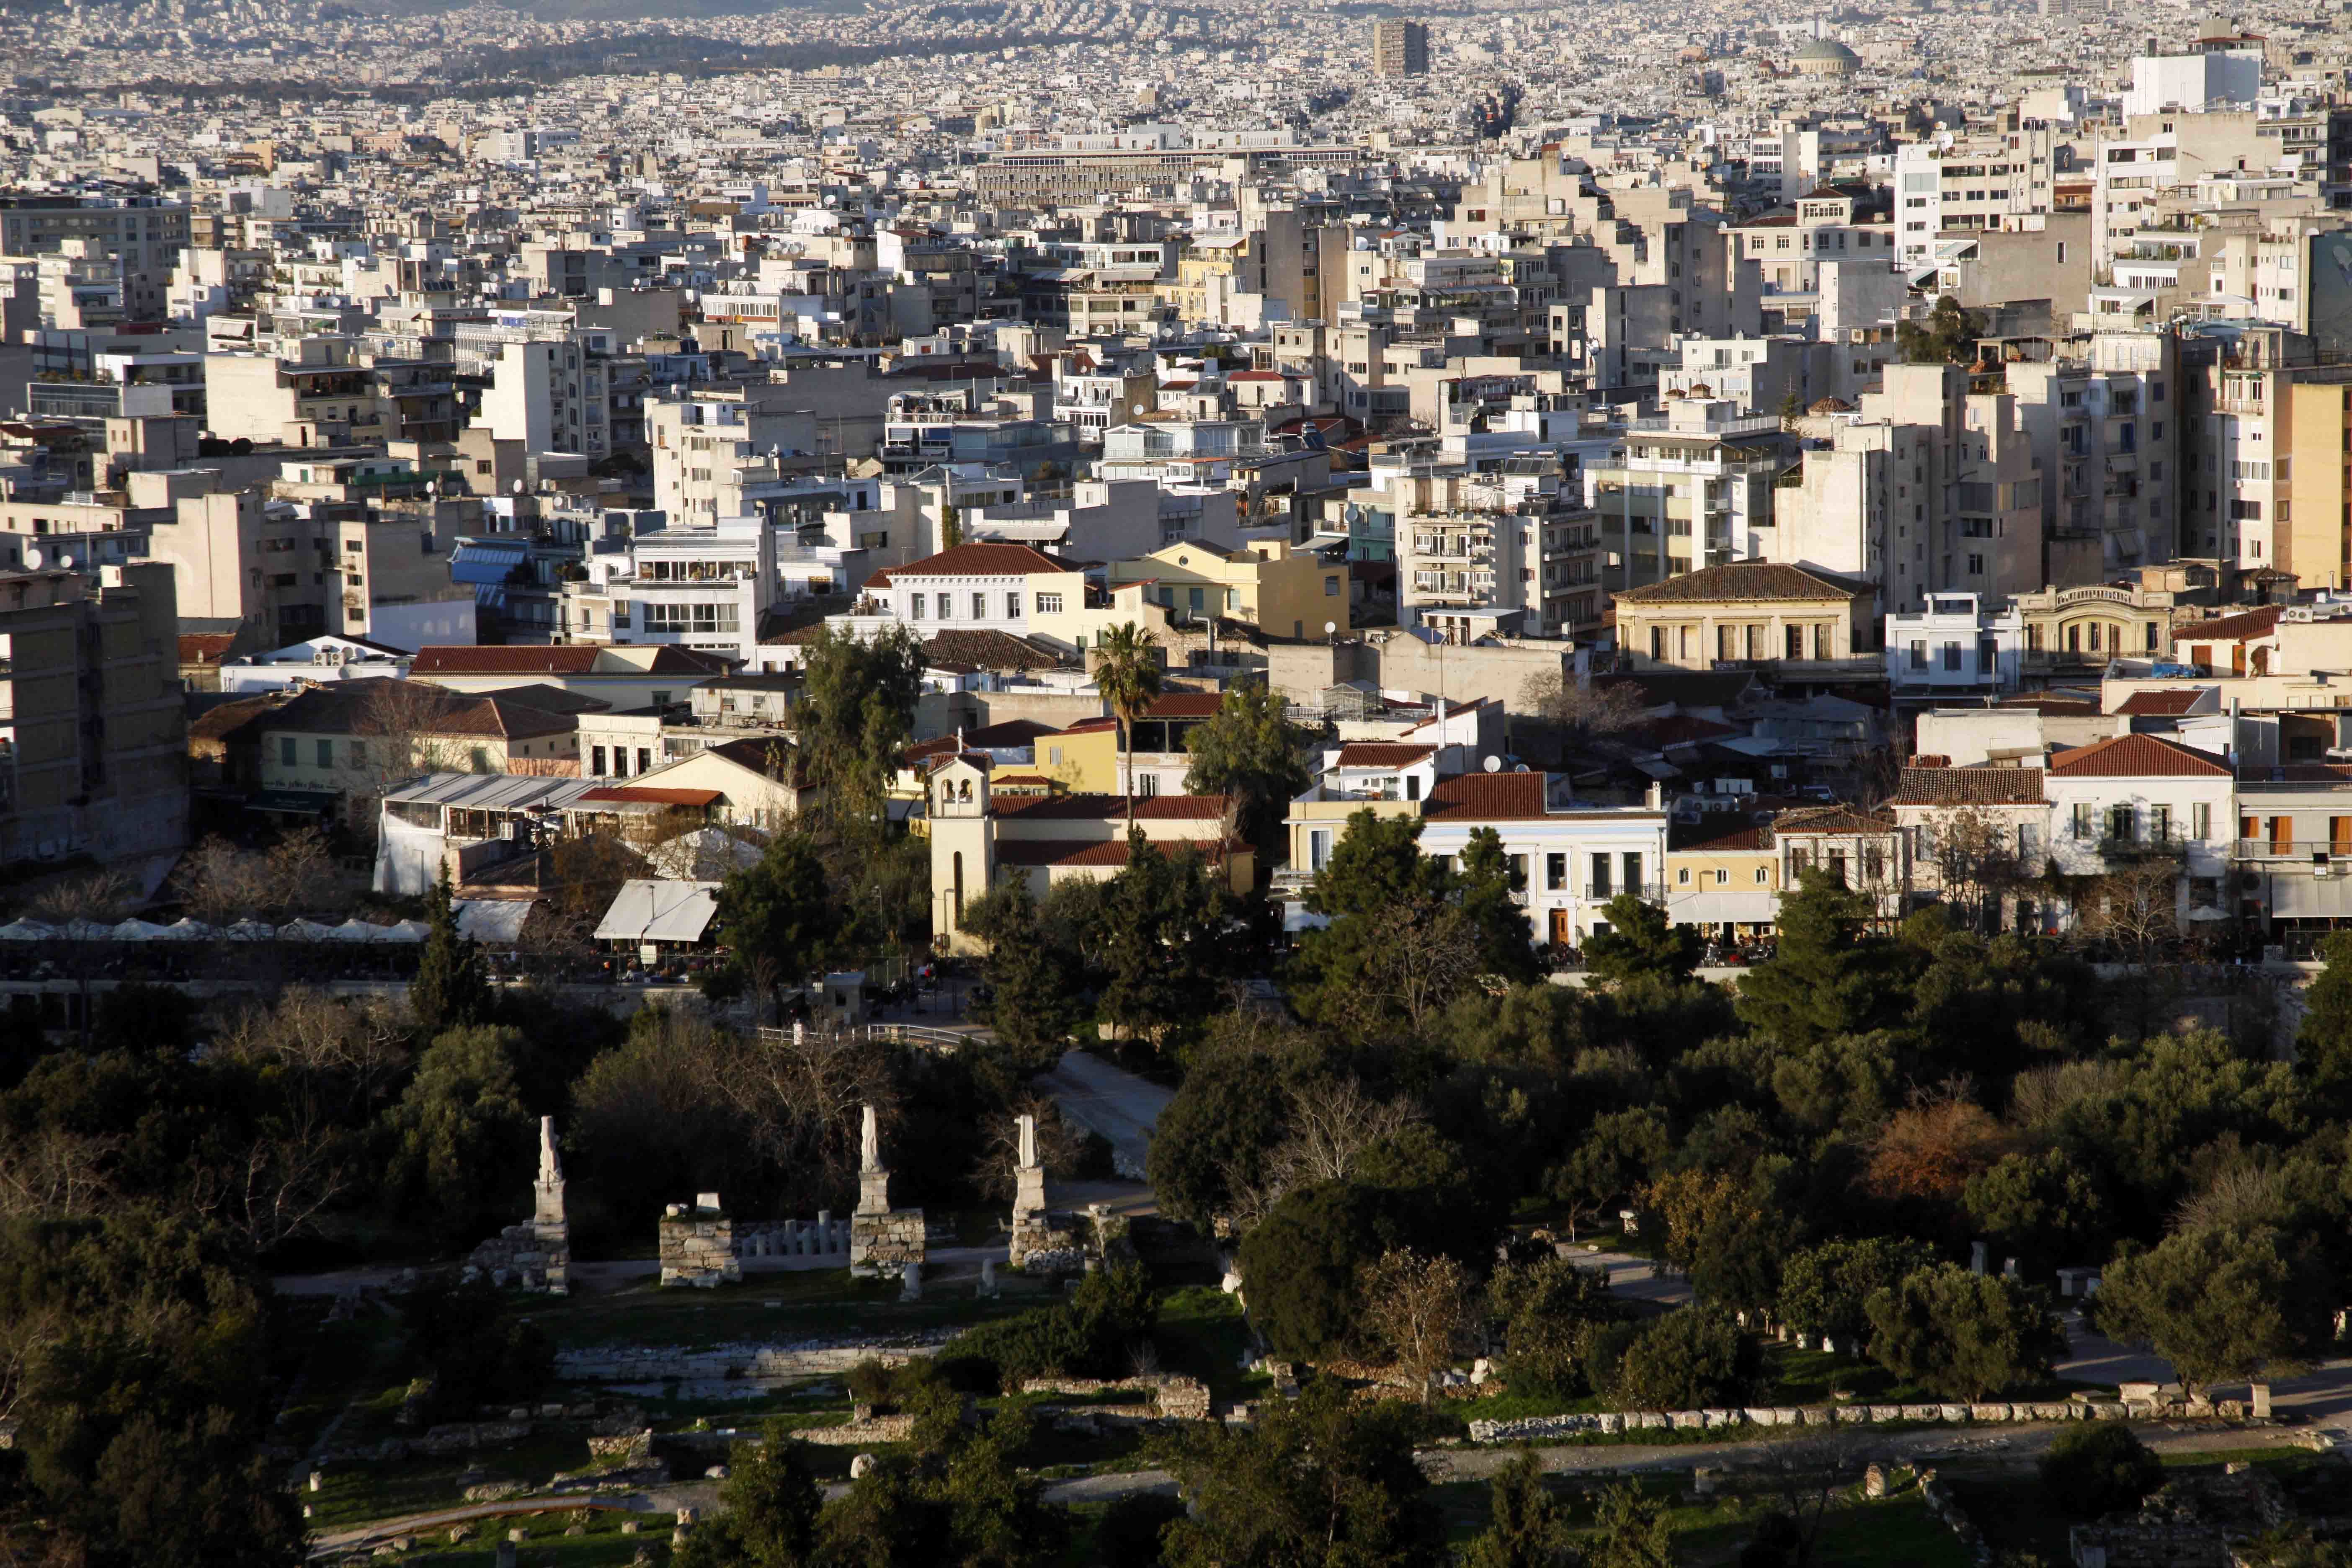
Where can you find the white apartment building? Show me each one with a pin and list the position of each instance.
(1954, 646)
(1971, 181)
(713, 457)
(2217, 71)
(1689, 490)
(2106, 434)
(1505, 550)
(703, 588)
(551, 396)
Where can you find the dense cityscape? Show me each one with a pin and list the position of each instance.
(1094, 783)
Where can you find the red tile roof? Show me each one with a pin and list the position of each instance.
(1749, 838)
(976, 560)
(1104, 851)
(205, 647)
(452, 660)
(1834, 820)
(1968, 786)
(1382, 754)
(2257, 623)
(1489, 797)
(2161, 704)
(2136, 757)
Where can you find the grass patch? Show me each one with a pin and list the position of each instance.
(1796, 1377)
(358, 1494)
(1509, 1407)
(338, 1363)
(1202, 1334)
(602, 1543)
(807, 1302)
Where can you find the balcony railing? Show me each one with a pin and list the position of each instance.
(2137, 847)
(2304, 849)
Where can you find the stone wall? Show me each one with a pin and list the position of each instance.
(886, 1244)
(1537, 1426)
(804, 1358)
(1173, 1397)
(520, 1256)
(860, 1434)
(698, 1247)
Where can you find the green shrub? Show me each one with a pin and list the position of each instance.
(1688, 1360)
(2094, 1470)
(1086, 1336)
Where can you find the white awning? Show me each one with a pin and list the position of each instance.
(660, 911)
(491, 920)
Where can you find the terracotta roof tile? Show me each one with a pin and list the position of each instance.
(985, 558)
(1382, 754)
(2136, 757)
(2161, 704)
(1968, 786)
(1744, 582)
(1490, 797)
(986, 648)
(1834, 820)
(2256, 623)
(652, 795)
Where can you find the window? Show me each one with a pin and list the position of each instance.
(2200, 820)
(1597, 885)
(326, 750)
(1682, 877)
(1632, 866)
(359, 753)
(1920, 653)
(1951, 656)
(2159, 823)
(596, 761)
(1330, 587)
(286, 754)
(645, 758)
(2122, 823)
(1319, 847)
(1763, 875)
(980, 607)
(1049, 604)
(915, 607)
(1799, 859)
(1012, 606)
(2082, 822)
(481, 759)
(1873, 865)
(1555, 872)
(1796, 642)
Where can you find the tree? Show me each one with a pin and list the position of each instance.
(1166, 922)
(2041, 1209)
(1250, 751)
(1614, 1158)
(1826, 977)
(1415, 1307)
(449, 991)
(1826, 1290)
(1966, 1336)
(1127, 673)
(768, 1506)
(1213, 1139)
(1641, 942)
(1974, 852)
(1931, 1151)
(2102, 1468)
(2219, 1304)
(1302, 1263)
(1034, 978)
(1543, 1308)
(400, 732)
(1585, 709)
(1317, 1479)
(1399, 945)
(1487, 888)
(462, 1137)
(1529, 1525)
(1948, 337)
(2133, 909)
(2322, 1042)
(778, 916)
(853, 721)
(1687, 1360)
(1634, 1532)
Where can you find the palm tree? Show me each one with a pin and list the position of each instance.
(1127, 673)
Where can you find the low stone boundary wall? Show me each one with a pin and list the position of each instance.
(1857, 1412)
(1173, 1397)
(806, 1358)
(860, 1434)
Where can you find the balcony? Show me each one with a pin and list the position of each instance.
(2310, 851)
(2169, 843)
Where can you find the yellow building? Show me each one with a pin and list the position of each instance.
(1087, 759)
(2096, 624)
(979, 839)
(1747, 611)
(1722, 878)
(345, 744)
(1282, 592)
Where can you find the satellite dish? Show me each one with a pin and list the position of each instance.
(33, 558)
(1329, 627)
(1493, 764)
(66, 561)
(1520, 769)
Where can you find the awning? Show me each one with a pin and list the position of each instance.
(660, 911)
(491, 920)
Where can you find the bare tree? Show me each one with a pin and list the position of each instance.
(1058, 1146)
(1332, 1124)
(1416, 1307)
(2134, 908)
(401, 731)
(220, 883)
(800, 1100)
(55, 1173)
(94, 898)
(1975, 856)
(1583, 710)
(1428, 954)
